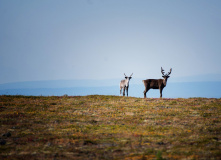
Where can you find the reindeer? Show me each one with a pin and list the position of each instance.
(156, 83)
(124, 84)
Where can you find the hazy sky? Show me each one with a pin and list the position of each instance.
(102, 39)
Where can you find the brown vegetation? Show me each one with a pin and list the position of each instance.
(109, 127)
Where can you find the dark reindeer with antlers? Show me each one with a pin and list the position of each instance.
(156, 83)
(124, 84)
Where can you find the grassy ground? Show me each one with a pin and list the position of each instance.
(109, 127)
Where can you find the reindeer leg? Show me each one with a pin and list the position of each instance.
(127, 91)
(161, 90)
(145, 92)
(124, 92)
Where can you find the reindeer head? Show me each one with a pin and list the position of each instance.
(165, 76)
(126, 77)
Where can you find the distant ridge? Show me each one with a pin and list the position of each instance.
(59, 84)
(172, 90)
(101, 82)
(198, 78)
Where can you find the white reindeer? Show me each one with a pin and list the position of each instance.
(124, 84)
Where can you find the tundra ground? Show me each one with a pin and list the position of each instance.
(109, 127)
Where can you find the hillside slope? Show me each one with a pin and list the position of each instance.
(109, 127)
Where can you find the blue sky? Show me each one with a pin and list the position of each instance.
(101, 39)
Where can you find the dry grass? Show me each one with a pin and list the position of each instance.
(109, 127)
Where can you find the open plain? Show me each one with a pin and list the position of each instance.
(109, 127)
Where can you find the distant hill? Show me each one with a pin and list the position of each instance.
(58, 84)
(102, 82)
(198, 78)
(172, 90)
(194, 86)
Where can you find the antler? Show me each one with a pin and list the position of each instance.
(125, 75)
(131, 75)
(169, 72)
(162, 71)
